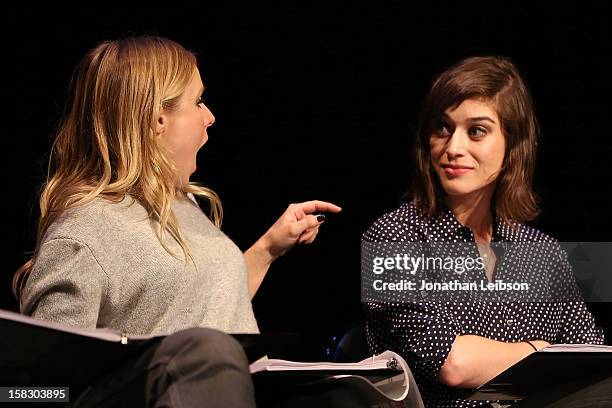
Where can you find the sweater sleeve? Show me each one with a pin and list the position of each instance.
(66, 285)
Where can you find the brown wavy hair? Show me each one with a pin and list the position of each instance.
(490, 79)
(106, 145)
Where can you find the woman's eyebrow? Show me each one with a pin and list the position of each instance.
(479, 118)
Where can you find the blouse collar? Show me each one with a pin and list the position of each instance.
(502, 231)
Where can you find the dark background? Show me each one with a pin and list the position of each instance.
(320, 102)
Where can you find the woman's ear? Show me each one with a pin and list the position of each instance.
(161, 123)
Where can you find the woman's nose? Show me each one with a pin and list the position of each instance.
(456, 143)
(209, 118)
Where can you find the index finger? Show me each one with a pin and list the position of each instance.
(316, 205)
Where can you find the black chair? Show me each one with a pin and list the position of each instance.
(351, 347)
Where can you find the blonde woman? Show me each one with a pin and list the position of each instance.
(122, 242)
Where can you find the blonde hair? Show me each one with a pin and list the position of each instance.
(107, 146)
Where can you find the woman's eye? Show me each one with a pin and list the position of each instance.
(200, 100)
(441, 130)
(477, 132)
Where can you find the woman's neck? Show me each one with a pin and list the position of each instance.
(474, 212)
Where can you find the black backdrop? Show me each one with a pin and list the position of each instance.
(319, 101)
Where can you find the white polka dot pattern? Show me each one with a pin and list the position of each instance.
(423, 332)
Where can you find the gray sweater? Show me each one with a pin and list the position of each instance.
(102, 265)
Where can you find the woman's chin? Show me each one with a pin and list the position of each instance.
(462, 190)
(456, 189)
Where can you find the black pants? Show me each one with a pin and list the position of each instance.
(192, 368)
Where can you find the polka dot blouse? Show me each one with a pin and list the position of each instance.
(423, 332)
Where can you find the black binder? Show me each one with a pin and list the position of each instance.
(547, 370)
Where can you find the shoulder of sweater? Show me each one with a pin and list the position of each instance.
(100, 216)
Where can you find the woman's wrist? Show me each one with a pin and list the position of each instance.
(262, 251)
(531, 344)
(537, 345)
